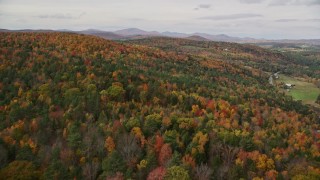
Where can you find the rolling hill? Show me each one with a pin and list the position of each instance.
(303, 64)
(76, 106)
(135, 33)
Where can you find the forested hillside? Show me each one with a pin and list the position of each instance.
(297, 62)
(80, 107)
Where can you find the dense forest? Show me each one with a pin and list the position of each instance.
(303, 63)
(80, 107)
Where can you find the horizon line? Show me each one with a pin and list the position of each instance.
(155, 31)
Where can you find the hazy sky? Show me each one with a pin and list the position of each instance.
(252, 18)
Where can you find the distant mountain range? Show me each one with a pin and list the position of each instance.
(135, 33)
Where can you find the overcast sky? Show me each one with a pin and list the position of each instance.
(272, 19)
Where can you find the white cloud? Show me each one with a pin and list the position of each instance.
(204, 6)
(61, 16)
(294, 2)
(231, 17)
(251, 1)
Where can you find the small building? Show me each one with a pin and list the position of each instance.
(288, 86)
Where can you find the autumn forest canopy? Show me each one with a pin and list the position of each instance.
(77, 106)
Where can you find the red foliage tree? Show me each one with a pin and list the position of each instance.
(165, 154)
(157, 174)
(158, 144)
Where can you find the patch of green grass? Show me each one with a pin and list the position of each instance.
(304, 91)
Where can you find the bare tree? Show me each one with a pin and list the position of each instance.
(90, 170)
(203, 172)
(93, 142)
(94, 148)
(227, 154)
(129, 149)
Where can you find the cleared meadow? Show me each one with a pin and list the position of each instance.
(304, 91)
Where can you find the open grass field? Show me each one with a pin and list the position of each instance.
(304, 91)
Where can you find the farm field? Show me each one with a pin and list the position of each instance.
(304, 91)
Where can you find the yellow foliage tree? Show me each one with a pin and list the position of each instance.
(109, 144)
